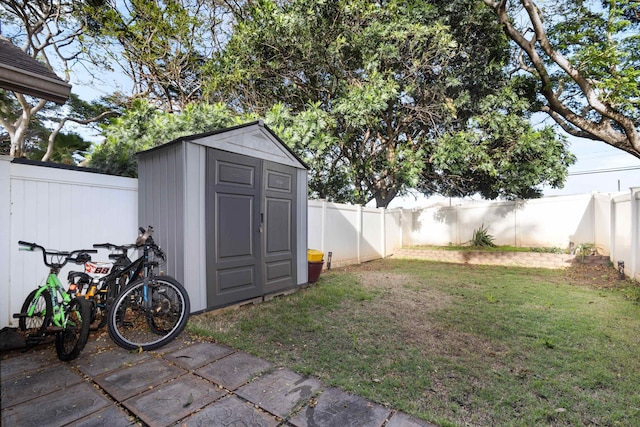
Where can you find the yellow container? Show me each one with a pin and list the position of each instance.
(314, 255)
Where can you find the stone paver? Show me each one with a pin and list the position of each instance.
(230, 411)
(30, 386)
(400, 419)
(197, 355)
(234, 370)
(105, 361)
(110, 416)
(335, 408)
(172, 401)
(56, 409)
(127, 382)
(30, 360)
(280, 392)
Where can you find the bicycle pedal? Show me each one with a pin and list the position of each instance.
(19, 315)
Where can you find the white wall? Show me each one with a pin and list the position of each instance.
(624, 237)
(547, 222)
(58, 209)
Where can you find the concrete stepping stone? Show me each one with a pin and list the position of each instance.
(234, 370)
(110, 416)
(280, 392)
(400, 419)
(31, 360)
(177, 343)
(166, 404)
(197, 355)
(98, 342)
(127, 382)
(106, 361)
(57, 409)
(31, 386)
(335, 408)
(230, 411)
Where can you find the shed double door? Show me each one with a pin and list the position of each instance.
(250, 227)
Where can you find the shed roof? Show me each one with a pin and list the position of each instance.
(23, 74)
(253, 139)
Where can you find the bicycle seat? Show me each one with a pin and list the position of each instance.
(82, 258)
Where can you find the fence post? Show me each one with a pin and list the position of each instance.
(323, 225)
(635, 233)
(7, 240)
(612, 229)
(383, 239)
(359, 230)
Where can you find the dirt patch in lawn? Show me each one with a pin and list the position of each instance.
(594, 275)
(407, 305)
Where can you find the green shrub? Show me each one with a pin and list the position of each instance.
(481, 237)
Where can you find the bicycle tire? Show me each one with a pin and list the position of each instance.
(71, 340)
(37, 324)
(132, 326)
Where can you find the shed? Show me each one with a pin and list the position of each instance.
(230, 209)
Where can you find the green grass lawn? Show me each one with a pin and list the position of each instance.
(458, 344)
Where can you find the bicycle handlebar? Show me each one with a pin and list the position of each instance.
(67, 256)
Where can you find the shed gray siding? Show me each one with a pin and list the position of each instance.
(162, 203)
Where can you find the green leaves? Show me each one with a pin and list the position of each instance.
(143, 126)
(498, 153)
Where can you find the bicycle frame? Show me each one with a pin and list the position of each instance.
(53, 284)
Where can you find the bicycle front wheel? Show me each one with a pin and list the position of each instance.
(72, 339)
(149, 313)
(36, 324)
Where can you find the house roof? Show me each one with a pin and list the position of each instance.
(23, 74)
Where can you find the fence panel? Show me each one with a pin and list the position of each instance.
(553, 221)
(58, 209)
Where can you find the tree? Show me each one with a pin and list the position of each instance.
(159, 45)
(585, 58)
(49, 31)
(497, 154)
(394, 78)
(62, 147)
(144, 126)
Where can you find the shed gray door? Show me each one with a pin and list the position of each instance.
(279, 223)
(232, 228)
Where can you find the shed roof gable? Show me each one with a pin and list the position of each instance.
(253, 139)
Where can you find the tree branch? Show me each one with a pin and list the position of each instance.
(626, 139)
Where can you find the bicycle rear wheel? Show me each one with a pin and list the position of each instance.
(36, 325)
(149, 313)
(71, 340)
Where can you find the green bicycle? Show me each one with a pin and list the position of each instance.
(51, 309)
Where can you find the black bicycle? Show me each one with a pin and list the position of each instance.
(150, 310)
(100, 282)
(51, 309)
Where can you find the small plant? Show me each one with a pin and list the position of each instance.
(586, 249)
(482, 238)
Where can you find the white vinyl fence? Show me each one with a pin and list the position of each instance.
(67, 209)
(353, 233)
(58, 209)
